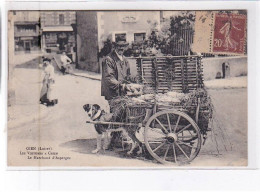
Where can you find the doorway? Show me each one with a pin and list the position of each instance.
(27, 46)
(62, 41)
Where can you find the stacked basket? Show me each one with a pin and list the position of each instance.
(163, 74)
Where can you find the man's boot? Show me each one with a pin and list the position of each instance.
(99, 139)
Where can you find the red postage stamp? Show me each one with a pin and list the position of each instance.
(229, 33)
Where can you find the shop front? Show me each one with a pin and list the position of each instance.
(27, 44)
(26, 36)
(58, 39)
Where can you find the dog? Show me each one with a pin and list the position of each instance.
(95, 113)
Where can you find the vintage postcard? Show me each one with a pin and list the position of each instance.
(127, 88)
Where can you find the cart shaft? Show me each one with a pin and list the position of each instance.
(113, 123)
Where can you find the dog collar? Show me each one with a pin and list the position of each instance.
(97, 115)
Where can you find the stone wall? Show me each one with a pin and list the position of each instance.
(238, 66)
(87, 41)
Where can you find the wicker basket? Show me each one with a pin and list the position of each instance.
(136, 113)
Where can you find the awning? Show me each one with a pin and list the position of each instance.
(57, 29)
(26, 38)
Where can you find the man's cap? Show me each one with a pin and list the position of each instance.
(121, 43)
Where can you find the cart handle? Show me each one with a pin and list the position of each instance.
(114, 123)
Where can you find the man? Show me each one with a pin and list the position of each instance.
(115, 76)
(115, 72)
(65, 61)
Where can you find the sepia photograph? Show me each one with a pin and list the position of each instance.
(135, 89)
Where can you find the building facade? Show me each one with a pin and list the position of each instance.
(26, 30)
(130, 26)
(57, 30)
(46, 30)
(81, 32)
(95, 27)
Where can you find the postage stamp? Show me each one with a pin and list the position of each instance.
(229, 33)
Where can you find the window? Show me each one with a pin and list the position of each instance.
(120, 37)
(61, 19)
(48, 19)
(26, 28)
(139, 37)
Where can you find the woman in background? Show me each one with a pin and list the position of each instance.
(48, 82)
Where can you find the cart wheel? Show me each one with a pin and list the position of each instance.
(172, 137)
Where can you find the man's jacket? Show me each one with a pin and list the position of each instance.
(115, 72)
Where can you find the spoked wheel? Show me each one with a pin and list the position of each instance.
(172, 137)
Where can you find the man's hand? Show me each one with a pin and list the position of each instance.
(132, 79)
(125, 87)
(135, 89)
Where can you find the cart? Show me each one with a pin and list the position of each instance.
(173, 132)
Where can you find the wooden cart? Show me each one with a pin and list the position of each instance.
(173, 133)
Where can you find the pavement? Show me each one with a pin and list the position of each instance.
(228, 83)
(26, 107)
(22, 57)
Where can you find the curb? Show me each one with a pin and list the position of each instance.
(85, 76)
